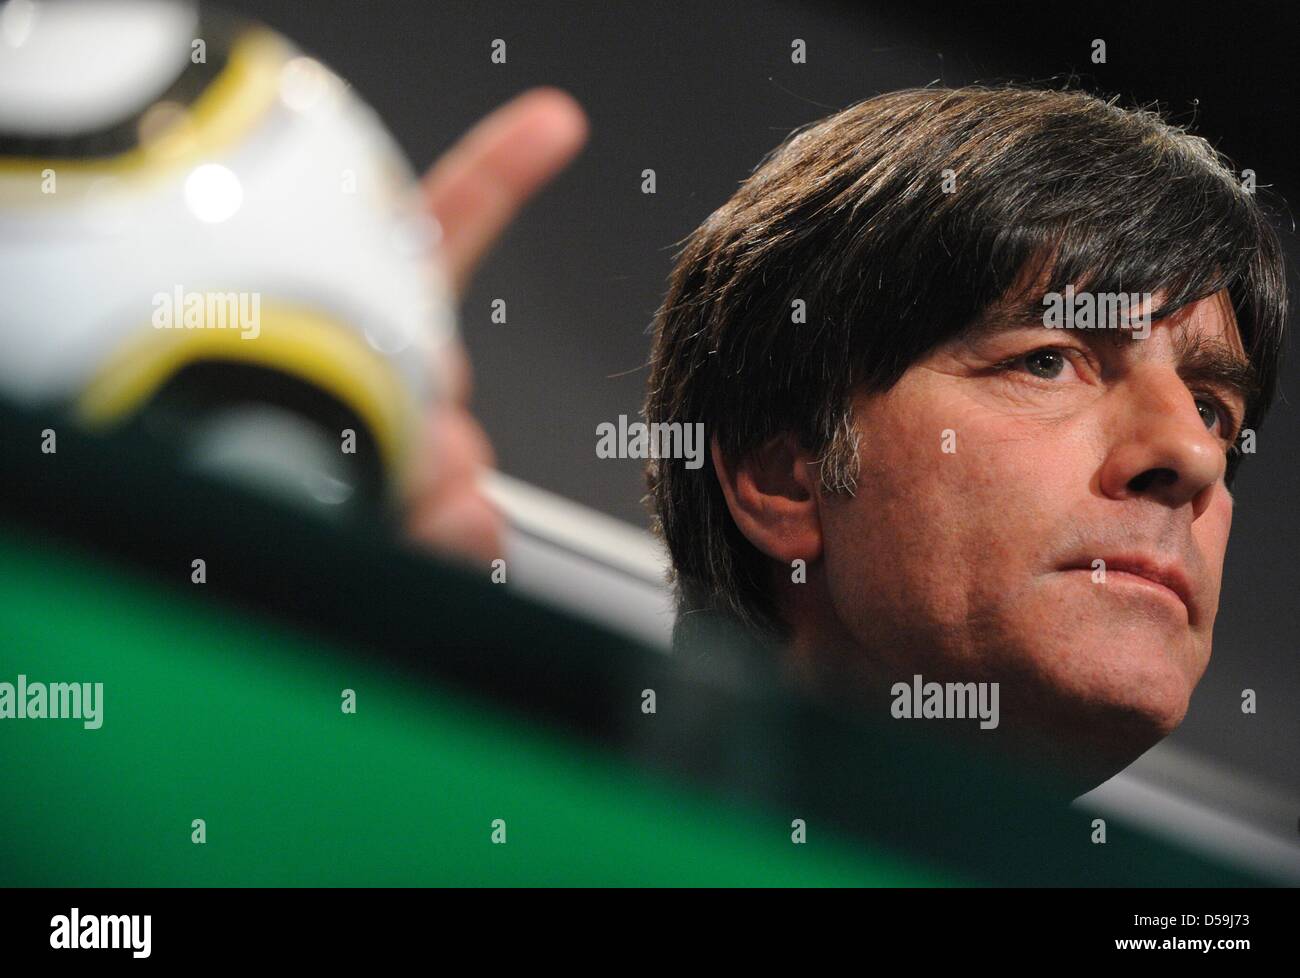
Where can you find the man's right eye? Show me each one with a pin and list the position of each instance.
(1046, 363)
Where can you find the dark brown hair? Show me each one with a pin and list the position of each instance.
(851, 216)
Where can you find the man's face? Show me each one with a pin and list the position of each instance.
(1065, 447)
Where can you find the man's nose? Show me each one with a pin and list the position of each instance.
(1165, 451)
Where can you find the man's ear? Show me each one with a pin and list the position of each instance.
(772, 496)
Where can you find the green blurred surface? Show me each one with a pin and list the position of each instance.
(214, 714)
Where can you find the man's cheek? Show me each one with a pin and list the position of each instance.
(1217, 523)
(986, 461)
(1211, 533)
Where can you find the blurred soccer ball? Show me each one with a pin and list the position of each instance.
(206, 233)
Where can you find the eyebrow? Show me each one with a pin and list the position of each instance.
(1209, 360)
(1201, 359)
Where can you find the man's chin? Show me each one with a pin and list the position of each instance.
(1090, 734)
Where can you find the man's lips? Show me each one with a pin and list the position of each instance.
(1164, 574)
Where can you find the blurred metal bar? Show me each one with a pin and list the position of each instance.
(584, 561)
(1188, 799)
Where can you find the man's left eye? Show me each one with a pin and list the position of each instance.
(1212, 414)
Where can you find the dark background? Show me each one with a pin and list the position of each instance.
(700, 94)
